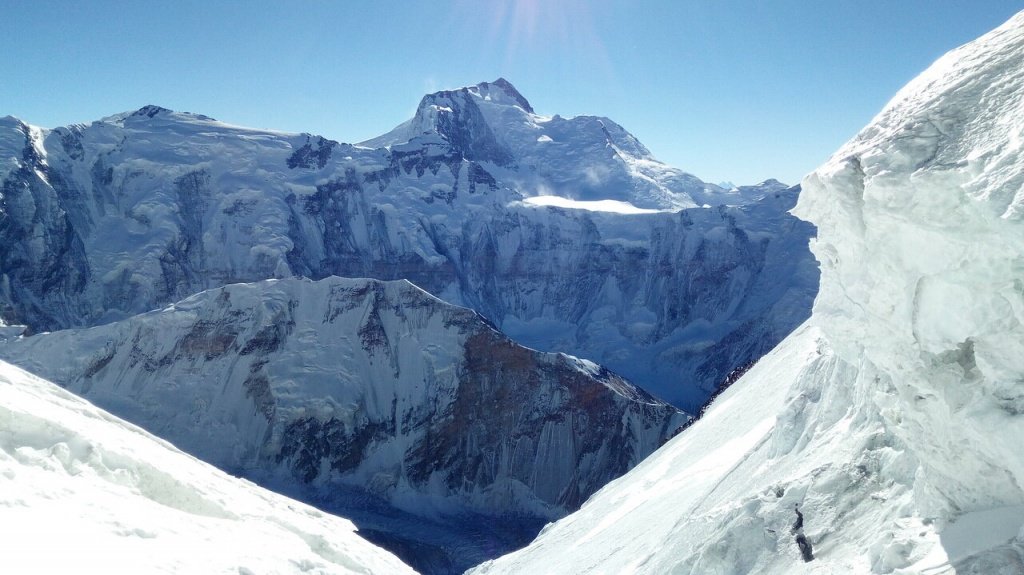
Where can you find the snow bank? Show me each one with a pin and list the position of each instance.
(613, 206)
(84, 492)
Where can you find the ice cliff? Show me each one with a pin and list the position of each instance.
(893, 419)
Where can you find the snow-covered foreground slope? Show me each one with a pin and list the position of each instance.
(84, 492)
(316, 387)
(102, 221)
(692, 506)
(894, 419)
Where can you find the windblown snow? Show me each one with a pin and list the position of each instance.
(893, 419)
(84, 492)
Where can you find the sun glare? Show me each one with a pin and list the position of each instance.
(520, 28)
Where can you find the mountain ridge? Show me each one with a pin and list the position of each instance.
(132, 214)
(375, 389)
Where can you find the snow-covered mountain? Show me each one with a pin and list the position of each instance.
(893, 421)
(363, 385)
(84, 492)
(103, 221)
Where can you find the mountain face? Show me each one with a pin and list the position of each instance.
(115, 499)
(103, 221)
(886, 433)
(367, 385)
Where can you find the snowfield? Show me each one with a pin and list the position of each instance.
(613, 206)
(894, 418)
(84, 492)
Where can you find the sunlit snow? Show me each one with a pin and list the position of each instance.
(613, 206)
(84, 492)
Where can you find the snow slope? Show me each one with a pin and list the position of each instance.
(894, 418)
(84, 492)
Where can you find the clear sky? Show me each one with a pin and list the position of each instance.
(740, 90)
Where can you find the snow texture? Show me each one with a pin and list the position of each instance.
(84, 492)
(893, 419)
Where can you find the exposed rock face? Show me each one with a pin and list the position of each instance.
(363, 383)
(133, 212)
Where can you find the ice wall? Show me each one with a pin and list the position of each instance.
(920, 244)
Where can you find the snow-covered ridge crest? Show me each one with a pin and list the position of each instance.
(21, 147)
(887, 432)
(115, 499)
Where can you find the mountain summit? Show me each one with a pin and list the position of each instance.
(581, 158)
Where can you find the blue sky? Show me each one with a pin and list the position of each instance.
(725, 89)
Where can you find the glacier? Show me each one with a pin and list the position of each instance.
(892, 419)
(85, 492)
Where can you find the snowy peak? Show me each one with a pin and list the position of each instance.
(578, 158)
(456, 116)
(151, 113)
(499, 92)
(150, 110)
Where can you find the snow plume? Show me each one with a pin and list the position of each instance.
(886, 432)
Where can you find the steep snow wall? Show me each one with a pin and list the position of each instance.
(85, 492)
(894, 419)
(922, 249)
